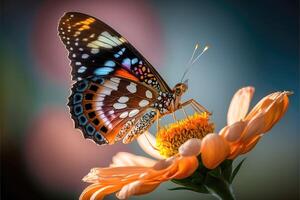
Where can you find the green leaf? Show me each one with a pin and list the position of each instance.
(236, 170)
(226, 168)
(215, 172)
(194, 183)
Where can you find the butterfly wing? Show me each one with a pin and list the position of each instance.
(101, 105)
(95, 49)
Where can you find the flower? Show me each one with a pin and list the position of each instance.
(205, 156)
(169, 139)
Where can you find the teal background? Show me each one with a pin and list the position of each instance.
(252, 43)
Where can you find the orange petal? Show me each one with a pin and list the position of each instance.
(128, 159)
(98, 191)
(190, 147)
(265, 102)
(239, 104)
(136, 188)
(265, 114)
(129, 190)
(88, 192)
(163, 164)
(138, 180)
(147, 187)
(113, 174)
(162, 170)
(235, 150)
(285, 104)
(214, 150)
(276, 110)
(254, 127)
(251, 144)
(233, 133)
(115, 171)
(101, 193)
(186, 167)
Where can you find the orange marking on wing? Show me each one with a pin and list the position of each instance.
(126, 74)
(84, 25)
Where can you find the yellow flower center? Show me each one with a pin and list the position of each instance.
(172, 136)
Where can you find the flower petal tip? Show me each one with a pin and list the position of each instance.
(240, 104)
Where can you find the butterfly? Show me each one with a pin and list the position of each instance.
(117, 94)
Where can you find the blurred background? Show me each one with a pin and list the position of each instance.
(252, 43)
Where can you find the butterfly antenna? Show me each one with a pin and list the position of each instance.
(190, 61)
(193, 54)
(205, 49)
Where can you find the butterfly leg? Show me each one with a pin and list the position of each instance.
(174, 116)
(157, 120)
(185, 114)
(140, 127)
(195, 105)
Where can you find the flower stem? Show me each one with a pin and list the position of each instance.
(219, 188)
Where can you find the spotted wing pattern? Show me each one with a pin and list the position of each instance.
(102, 105)
(96, 49)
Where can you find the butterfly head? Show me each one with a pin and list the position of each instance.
(180, 88)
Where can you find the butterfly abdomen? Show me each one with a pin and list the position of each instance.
(140, 127)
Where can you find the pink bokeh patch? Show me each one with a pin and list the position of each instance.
(58, 156)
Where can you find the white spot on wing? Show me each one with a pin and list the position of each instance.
(131, 87)
(112, 85)
(81, 69)
(94, 51)
(115, 79)
(106, 91)
(84, 56)
(123, 99)
(143, 103)
(119, 105)
(97, 44)
(149, 94)
(114, 39)
(106, 40)
(133, 112)
(124, 115)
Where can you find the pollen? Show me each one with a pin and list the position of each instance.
(172, 136)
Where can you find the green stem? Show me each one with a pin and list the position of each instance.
(219, 188)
